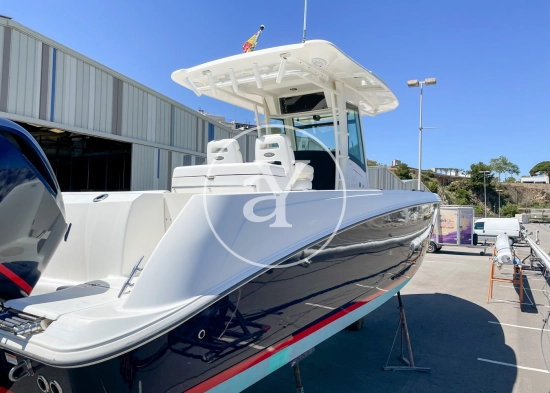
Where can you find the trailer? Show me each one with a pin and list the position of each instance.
(454, 226)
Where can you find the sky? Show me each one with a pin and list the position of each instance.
(491, 59)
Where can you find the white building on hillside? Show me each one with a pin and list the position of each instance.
(542, 179)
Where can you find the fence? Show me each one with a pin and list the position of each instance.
(381, 178)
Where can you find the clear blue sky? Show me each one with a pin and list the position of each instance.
(491, 59)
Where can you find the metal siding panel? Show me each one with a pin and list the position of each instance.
(131, 99)
(44, 73)
(19, 87)
(119, 107)
(172, 129)
(103, 101)
(131, 114)
(144, 115)
(177, 126)
(66, 88)
(91, 99)
(29, 85)
(163, 180)
(135, 113)
(141, 115)
(85, 86)
(192, 133)
(79, 93)
(158, 118)
(114, 109)
(37, 78)
(6, 60)
(109, 106)
(185, 130)
(126, 110)
(72, 91)
(59, 87)
(97, 100)
(151, 119)
(51, 82)
(104, 93)
(166, 132)
(21, 79)
(14, 72)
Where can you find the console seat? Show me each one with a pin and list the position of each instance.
(275, 169)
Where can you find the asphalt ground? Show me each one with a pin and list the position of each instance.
(469, 344)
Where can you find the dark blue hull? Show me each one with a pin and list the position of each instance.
(260, 318)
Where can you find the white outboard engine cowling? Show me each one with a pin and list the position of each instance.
(32, 215)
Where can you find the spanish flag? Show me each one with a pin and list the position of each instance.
(250, 45)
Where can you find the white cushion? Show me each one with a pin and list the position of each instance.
(273, 148)
(224, 151)
(305, 171)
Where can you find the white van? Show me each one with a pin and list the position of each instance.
(487, 229)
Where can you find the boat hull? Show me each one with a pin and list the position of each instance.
(267, 321)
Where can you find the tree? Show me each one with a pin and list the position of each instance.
(510, 179)
(403, 172)
(503, 165)
(476, 175)
(433, 186)
(509, 210)
(542, 168)
(462, 197)
(373, 163)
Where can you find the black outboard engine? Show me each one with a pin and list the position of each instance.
(32, 215)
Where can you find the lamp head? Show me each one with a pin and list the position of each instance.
(430, 81)
(413, 83)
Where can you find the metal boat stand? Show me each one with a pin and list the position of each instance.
(295, 364)
(405, 339)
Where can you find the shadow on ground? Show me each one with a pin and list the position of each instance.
(448, 334)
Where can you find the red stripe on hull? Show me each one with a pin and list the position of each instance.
(15, 279)
(243, 366)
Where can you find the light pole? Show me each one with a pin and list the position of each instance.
(499, 191)
(417, 83)
(485, 190)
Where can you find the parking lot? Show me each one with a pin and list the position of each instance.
(471, 346)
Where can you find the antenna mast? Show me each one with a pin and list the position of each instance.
(305, 15)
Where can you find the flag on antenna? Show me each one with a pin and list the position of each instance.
(250, 45)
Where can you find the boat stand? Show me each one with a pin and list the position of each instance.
(405, 339)
(298, 378)
(518, 272)
(295, 364)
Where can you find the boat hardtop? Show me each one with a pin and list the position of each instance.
(259, 78)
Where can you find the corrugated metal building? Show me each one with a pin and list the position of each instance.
(99, 129)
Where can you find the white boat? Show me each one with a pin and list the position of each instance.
(241, 267)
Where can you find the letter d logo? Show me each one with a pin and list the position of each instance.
(279, 212)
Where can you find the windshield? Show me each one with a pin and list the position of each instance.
(314, 132)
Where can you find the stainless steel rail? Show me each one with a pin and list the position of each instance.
(539, 253)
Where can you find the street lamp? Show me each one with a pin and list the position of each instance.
(485, 190)
(499, 191)
(417, 83)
